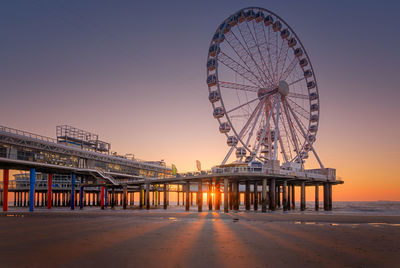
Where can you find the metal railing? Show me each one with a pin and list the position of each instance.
(27, 134)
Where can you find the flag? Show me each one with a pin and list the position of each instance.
(198, 164)
(174, 170)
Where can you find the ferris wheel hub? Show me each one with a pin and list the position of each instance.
(283, 88)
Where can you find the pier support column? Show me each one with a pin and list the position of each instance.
(293, 197)
(236, 196)
(278, 196)
(147, 196)
(272, 191)
(125, 199)
(284, 196)
(230, 195)
(247, 196)
(217, 195)
(6, 174)
(330, 196)
(226, 195)
(303, 196)
(81, 193)
(32, 179)
(113, 197)
(209, 197)
(288, 204)
(255, 196)
(165, 196)
(102, 197)
(326, 196)
(141, 197)
(200, 196)
(316, 197)
(187, 204)
(264, 196)
(73, 191)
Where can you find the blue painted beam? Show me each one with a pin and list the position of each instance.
(105, 196)
(32, 180)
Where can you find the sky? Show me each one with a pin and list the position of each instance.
(134, 72)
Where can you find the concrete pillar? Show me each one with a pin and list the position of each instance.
(316, 197)
(330, 196)
(147, 196)
(217, 195)
(177, 194)
(303, 196)
(113, 197)
(255, 196)
(288, 198)
(187, 204)
(284, 197)
(247, 196)
(264, 196)
(209, 196)
(125, 199)
(153, 201)
(200, 196)
(236, 196)
(141, 197)
(293, 197)
(15, 198)
(230, 195)
(73, 191)
(326, 196)
(81, 193)
(32, 180)
(272, 198)
(226, 195)
(165, 205)
(278, 195)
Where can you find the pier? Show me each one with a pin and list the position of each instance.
(65, 184)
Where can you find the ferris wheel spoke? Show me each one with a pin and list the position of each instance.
(268, 49)
(289, 69)
(253, 100)
(292, 132)
(298, 80)
(298, 95)
(255, 49)
(242, 53)
(288, 135)
(266, 126)
(239, 69)
(277, 126)
(247, 37)
(279, 135)
(285, 58)
(287, 139)
(238, 86)
(246, 125)
(254, 124)
(303, 112)
(305, 136)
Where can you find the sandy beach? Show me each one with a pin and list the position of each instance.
(174, 238)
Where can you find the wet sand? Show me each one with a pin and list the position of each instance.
(174, 238)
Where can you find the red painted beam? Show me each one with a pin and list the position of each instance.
(49, 190)
(5, 189)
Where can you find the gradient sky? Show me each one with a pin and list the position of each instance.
(135, 73)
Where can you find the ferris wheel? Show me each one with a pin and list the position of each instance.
(263, 89)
